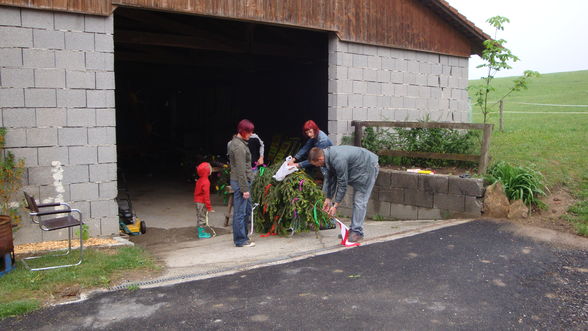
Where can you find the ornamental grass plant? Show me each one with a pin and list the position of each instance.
(520, 183)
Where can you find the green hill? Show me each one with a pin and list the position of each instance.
(545, 126)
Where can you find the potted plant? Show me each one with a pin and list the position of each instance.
(11, 173)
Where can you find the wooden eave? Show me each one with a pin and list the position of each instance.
(368, 25)
(459, 22)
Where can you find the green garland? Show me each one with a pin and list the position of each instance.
(292, 205)
(224, 177)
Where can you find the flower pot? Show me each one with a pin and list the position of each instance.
(6, 244)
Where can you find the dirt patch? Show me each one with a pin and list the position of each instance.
(558, 203)
(156, 236)
(553, 237)
(72, 292)
(548, 225)
(66, 293)
(62, 244)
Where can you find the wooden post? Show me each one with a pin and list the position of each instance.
(358, 133)
(483, 166)
(501, 107)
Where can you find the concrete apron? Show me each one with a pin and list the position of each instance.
(171, 206)
(218, 256)
(166, 206)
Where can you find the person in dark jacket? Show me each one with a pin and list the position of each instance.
(256, 148)
(347, 165)
(241, 178)
(317, 138)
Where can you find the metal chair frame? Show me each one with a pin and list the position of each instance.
(50, 224)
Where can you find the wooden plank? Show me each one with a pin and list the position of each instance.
(484, 151)
(60, 4)
(358, 135)
(414, 125)
(407, 24)
(42, 3)
(94, 7)
(431, 155)
(174, 40)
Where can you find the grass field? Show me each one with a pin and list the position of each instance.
(553, 139)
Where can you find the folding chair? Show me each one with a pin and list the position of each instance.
(51, 224)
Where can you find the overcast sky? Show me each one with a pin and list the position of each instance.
(547, 35)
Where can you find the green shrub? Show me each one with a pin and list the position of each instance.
(85, 232)
(377, 139)
(437, 140)
(347, 140)
(378, 218)
(519, 182)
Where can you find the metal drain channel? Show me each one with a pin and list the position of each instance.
(216, 271)
(334, 248)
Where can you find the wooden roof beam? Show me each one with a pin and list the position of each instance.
(204, 43)
(166, 24)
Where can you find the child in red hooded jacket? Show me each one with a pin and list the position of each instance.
(202, 197)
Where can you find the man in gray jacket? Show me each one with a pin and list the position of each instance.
(347, 165)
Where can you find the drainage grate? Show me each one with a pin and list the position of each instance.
(216, 271)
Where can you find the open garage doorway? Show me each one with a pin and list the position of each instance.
(182, 84)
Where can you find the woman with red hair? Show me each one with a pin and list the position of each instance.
(241, 178)
(317, 138)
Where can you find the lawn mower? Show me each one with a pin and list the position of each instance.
(128, 221)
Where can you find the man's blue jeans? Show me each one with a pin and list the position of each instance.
(241, 215)
(361, 198)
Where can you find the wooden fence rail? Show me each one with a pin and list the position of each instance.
(482, 158)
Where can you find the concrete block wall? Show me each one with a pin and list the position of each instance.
(409, 196)
(374, 83)
(57, 102)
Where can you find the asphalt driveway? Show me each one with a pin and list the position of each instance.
(470, 276)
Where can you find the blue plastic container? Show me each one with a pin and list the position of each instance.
(6, 264)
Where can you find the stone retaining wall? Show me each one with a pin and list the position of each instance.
(410, 196)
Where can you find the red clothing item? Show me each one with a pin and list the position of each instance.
(202, 188)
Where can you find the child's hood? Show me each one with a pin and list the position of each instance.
(203, 169)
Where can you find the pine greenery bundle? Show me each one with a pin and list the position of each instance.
(292, 205)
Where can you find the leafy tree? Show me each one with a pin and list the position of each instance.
(497, 57)
(11, 175)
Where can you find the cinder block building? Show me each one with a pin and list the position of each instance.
(91, 87)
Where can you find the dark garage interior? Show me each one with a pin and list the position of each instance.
(183, 82)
